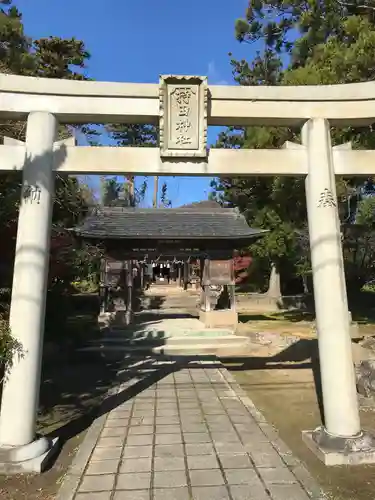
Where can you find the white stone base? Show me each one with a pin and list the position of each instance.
(331, 457)
(35, 465)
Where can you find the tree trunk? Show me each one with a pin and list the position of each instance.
(274, 287)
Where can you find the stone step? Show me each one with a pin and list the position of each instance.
(172, 340)
(176, 345)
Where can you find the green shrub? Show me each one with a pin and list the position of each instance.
(86, 285)
(9, 347)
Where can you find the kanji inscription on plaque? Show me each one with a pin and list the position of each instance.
(183, 116)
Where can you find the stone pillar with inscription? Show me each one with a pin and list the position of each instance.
(20, 395)
(341, 431)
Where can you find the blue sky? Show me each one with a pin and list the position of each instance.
(136, 40)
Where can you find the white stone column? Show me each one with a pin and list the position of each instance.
(341, 411)
(20, 396)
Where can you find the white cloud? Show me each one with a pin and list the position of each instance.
(213, 75)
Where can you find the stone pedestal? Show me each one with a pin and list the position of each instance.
(335, 450)
(226, 318)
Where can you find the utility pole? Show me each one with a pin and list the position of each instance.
(131, 181)
(156, 189)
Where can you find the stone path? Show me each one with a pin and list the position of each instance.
(183, 431)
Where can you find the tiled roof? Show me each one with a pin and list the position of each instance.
(169, 223)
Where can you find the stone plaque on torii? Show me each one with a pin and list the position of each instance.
(183, 116)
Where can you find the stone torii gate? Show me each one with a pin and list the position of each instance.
(183, 106)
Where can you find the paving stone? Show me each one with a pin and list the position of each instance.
(168, 439)
(113, 432)
(117, 422)
(249, 428)
(141, 421)
(278, 475)
(143, 413)
(140, 440)
(188, 404)
(169, 463)
(110, 442)
(235, 462)
(230, 448)
(307, 481)
(144, 405)
(218, 419)
(136, 481)
(264, 459)
(242, 476)
(186, 394)
(188, 412)
(137, 451)
(197, 437)
(221, 428)
(136, 465)
(124, 417)
(199, 449)
(97, 483)
(264, 455)
(214, 411)
(141, 429)
(203, 462)
(169, 450)
(249, 493)
(170, 479)
(243, 419)
(211, 493)
(103, 495)
(172, 494)
(103, 467)
(133, 495)
(168, 429)
(225, 437)
(206, 477)
(287, 492)
(106, 454)
(194, 427)
(160, 394)
(167, 420)
(166, 412)
(118, 414)
(253, 437)
(192, 419)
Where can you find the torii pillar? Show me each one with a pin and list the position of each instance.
(340, 440)
(20, 447)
